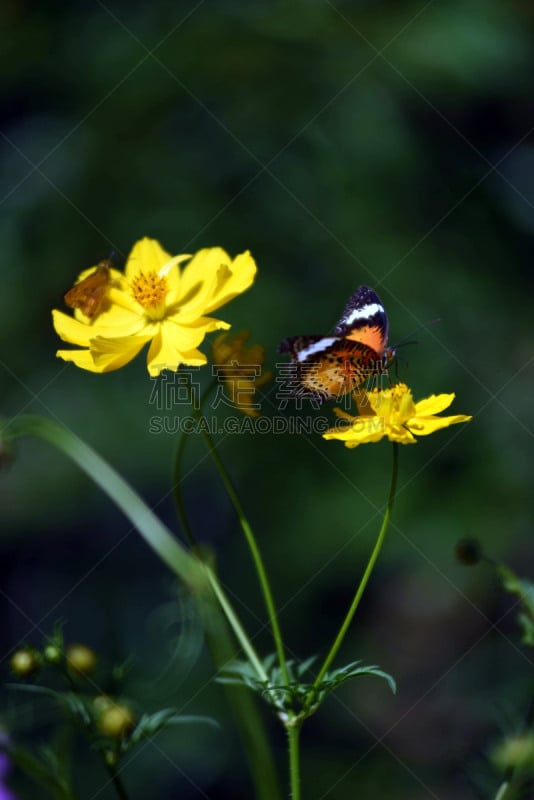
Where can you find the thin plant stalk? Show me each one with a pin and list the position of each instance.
(254, 550)
(366, 575)
(294, 730)
(236, 626)
(177, 493)
(293, 735)
(179, 500)
(118, 785)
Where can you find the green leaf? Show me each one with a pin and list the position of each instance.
(337, 677)
(297, 697)
(524, 590)
(76, 705)
(150, 724)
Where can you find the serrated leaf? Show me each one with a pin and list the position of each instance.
(297, 696)
(353, 670)
(238, 669)
(305, 665)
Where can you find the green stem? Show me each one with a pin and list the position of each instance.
(236, 626)
(255, 552)
(177, 492)
(293, 735)
(366, 575)
(241, 702)
(212, 578)
(177, 475)
(244, 708)
(117, 783)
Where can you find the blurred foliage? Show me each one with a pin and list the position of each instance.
(343, 142)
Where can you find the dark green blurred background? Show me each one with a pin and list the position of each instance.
(384, 143)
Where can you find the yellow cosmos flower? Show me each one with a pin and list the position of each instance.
(239, 368)
(393, 413)
(155, 301)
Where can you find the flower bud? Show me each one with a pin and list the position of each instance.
(116, 721)
(52, 654)
(468, 552)
(81, 659)
(24, 662)
(101, 703)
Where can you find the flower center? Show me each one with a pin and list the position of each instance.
(150, 290)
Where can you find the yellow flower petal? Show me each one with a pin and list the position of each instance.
(363, 430)
(81, 358)
(199, 280)
(122, 299)
(147, 255)
(119, 321)
(111, 354)
(395, 415)
(422, 426)
(71, 330)
(345, 415)
(400, 434)
(243, 271)
(194, 358)
(434, 404)
(169, 345)
(212, 278)
(171, 271)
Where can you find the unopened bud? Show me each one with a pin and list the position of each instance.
(52, 654)
(81, 659)
(24, 662)
(101, 703)
(116, 721)
(468, 552)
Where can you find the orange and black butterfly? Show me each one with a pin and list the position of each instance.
(89, 294)
(327, 367)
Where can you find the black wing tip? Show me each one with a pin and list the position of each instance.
(286, 345)
(366, 292)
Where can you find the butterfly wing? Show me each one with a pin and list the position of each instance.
(89, 294)
(365, 320)
(327, 367)
(301, 347)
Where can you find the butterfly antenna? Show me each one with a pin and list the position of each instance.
(424, 326)
(403, 343)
